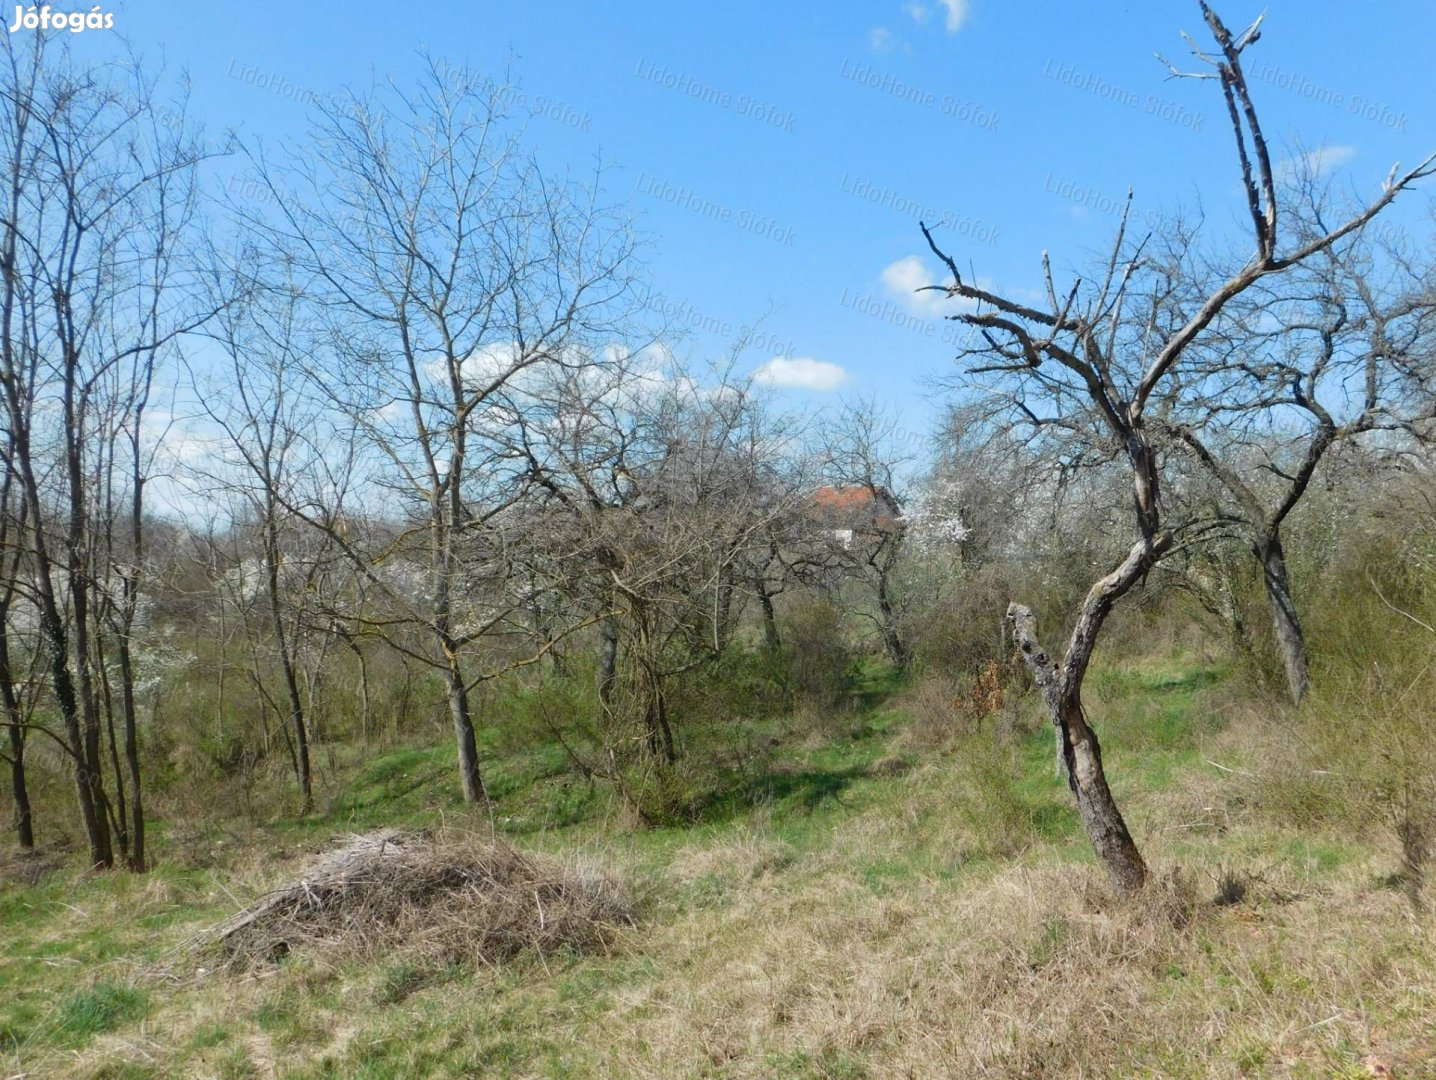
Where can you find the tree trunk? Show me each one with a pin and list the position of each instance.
(1290, 641)
(303, 772)
(92, 810)
(24, 820)
(458, 694)
(1079, 752)
(771, 639)
(365, 718)
(1082, 757)
(655, 719)
(608, 664)
(137, 857)
(655, 706)
(121, 807)
(14, 721)
(892, 640)
(722, 608)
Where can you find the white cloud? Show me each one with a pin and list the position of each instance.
(653, 358)
(483, 365)
(1314, 163)
(903, 279)
(882, 40)
(956, 14)
(801, 373)
(918, 11)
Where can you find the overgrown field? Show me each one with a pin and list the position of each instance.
(891, 888)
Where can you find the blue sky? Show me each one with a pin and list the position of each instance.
(778, 157)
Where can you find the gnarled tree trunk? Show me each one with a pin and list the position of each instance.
(1079, 756)
(1079, 753)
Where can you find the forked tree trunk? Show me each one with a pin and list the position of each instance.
(1079, 756)
(1290, 641)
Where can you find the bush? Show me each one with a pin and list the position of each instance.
(1360, 753)
(817, 653)
(962, 630)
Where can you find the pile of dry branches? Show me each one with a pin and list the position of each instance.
(447, 897)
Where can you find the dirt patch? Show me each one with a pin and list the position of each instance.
(24, 869)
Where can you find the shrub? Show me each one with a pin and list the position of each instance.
(817, 653)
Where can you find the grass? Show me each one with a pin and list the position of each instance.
(823, 912)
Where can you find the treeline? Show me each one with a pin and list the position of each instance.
(429, 454)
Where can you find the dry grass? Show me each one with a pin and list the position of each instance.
(1031, 973)
(446, 897)
(945, 922)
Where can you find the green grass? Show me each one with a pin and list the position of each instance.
(104, 1007)
(812, 912)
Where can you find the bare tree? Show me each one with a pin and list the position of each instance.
(1089, 362)
(862, 515)
(445, 264)
(98, 202)
(272, 456)
(659, 487)
(1302, 363)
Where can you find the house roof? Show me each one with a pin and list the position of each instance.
(856, 503)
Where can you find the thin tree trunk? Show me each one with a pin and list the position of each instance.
(24, 818)
(131, 594)
(365, 718)
(655, 706)
(137, 859)
(1290, 641)
(892, 640)
(120, 812)
(92, 812)
(89, 716)
(607, 664)
(14, 719)
(15, 728)
(301, 735)
(771, 639)
(722, 608)
(660, 734)
(291, 681)
(458, 695)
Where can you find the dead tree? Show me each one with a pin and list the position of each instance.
(1089, 360)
